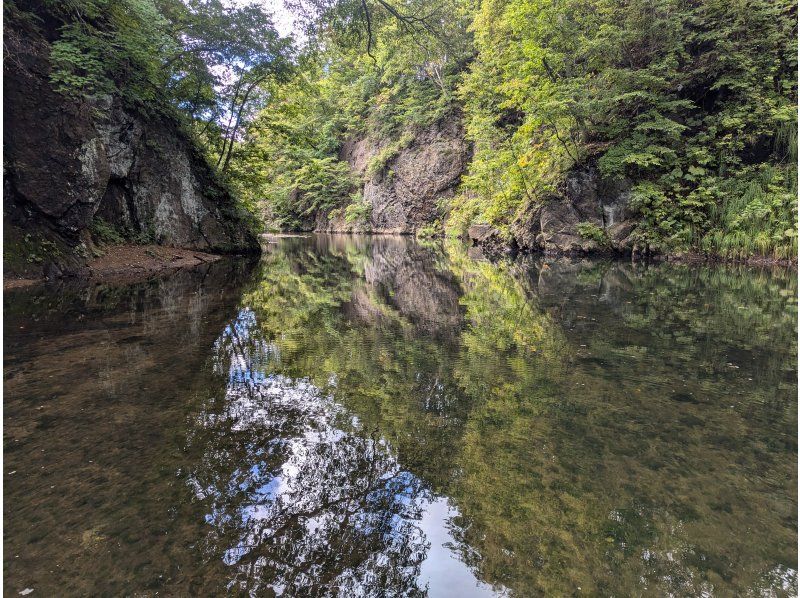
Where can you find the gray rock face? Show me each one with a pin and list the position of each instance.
(405, 194)
(160, 186)
(480, 233)
(586, 199)
(67, 161)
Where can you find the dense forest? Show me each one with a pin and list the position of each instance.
(692, 104)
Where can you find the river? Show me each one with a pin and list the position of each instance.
(374, 416)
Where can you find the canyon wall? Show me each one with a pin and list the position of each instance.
(73, 163)
(407, 190)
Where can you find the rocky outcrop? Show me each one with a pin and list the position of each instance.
(489, 241)
(69, 162)
(404, 185)
(589, 215)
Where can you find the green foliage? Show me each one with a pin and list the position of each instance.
(145, 236)
(110, 47)
(346, 88)
(429, 231)
(165, 51)
(203, 62)
(378, 163)
(589, 230)
(79, 65)
(357, 210)
(287, 162)
(24, 252)
(757, 214)
(322, 184)
(693, 103)
(689, 101)
(105, 233)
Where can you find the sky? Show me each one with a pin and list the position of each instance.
(283, 19)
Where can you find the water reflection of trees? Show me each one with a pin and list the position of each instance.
(585, 418)
(623, 464)
(300, 500)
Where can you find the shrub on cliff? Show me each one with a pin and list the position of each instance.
(693, 102)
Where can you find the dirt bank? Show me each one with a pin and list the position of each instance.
(129, 263)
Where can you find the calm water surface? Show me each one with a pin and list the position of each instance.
(373, 417)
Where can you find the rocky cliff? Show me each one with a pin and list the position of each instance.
(414, 284)
(587, 215)
(404, 185)
(71, 163)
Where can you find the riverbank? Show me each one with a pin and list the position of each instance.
(493, 247)
(489, 241)
(129, 263)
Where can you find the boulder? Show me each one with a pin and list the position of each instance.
(585, 198)
(480, 233)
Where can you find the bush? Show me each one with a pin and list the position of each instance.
(378, 162)
(358, 211)
(592, 232)
(431, 230)
(105, 233)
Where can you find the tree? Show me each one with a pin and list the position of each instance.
(200, 59)
(226, 55)
(694, 103)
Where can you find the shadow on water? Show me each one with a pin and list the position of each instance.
(372, 416)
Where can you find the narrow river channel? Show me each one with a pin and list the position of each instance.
(372, 416)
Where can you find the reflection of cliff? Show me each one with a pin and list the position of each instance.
(705, 317)
(364, 312)
(387, 278)
(97, 386)
(415, 281)
(594, 425)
